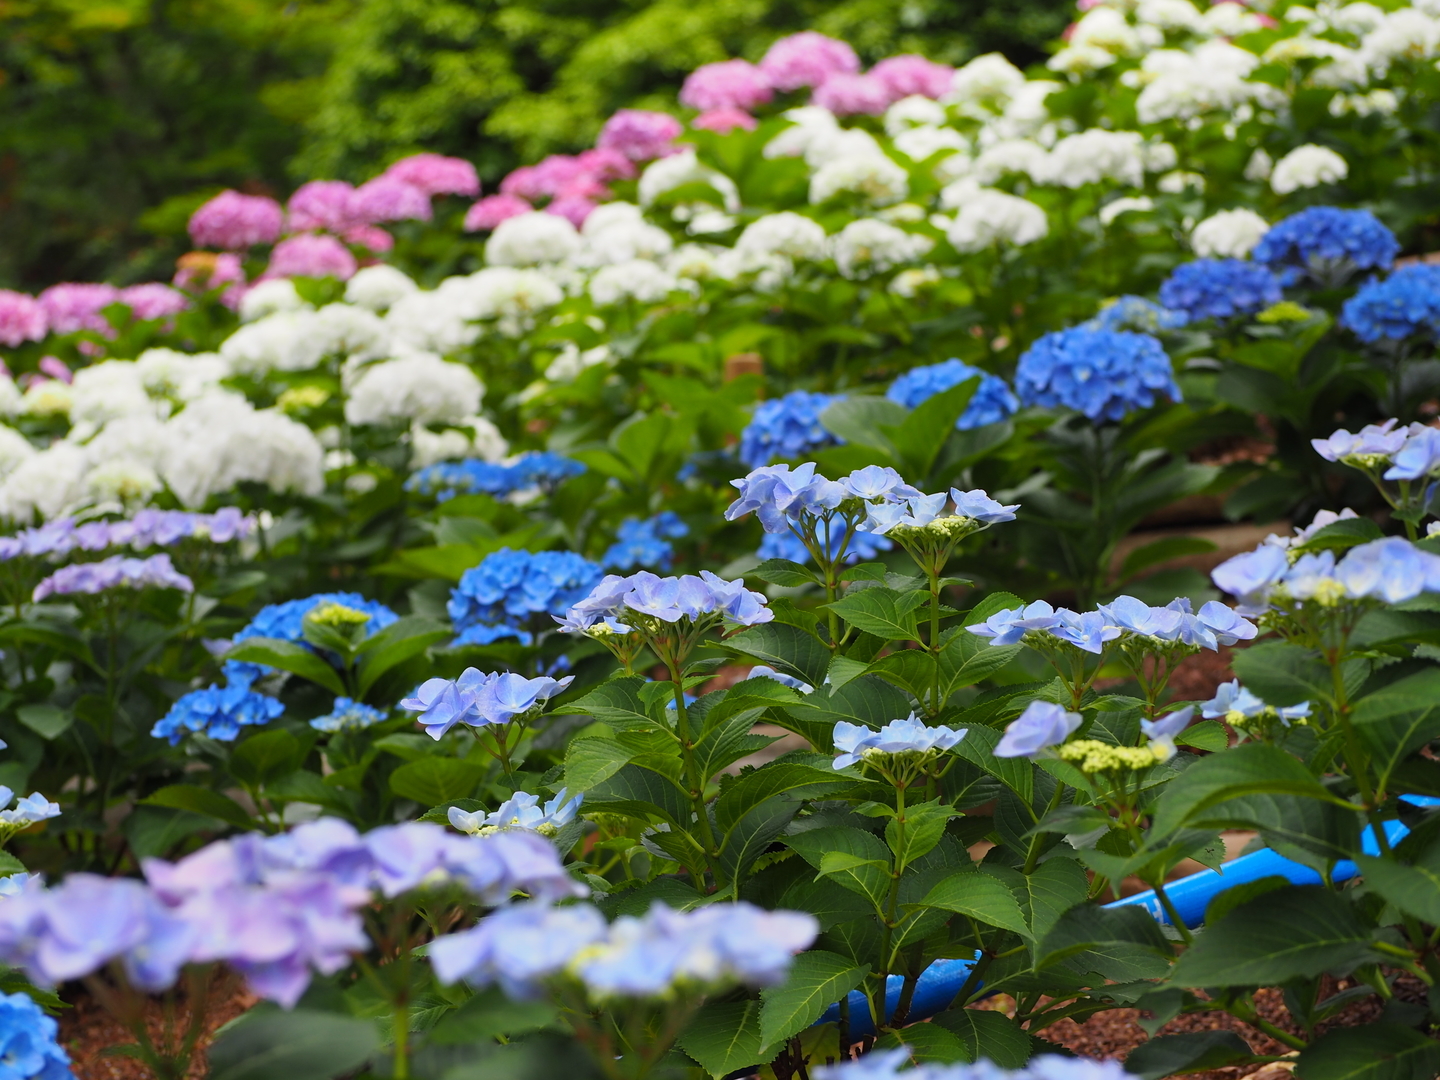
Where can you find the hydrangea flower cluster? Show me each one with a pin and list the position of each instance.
(521, 811)
(1137, 314)
(899, 746)
(787, 427)
(286, 621)
(273, 908)
(1391, 570)
(645, 543)
(513, 585)
(29, 1041)
(1404, 304)
(477, 699)
(118, 571)
(541, 470)
(218, 712)
(148, 528)
(1101, 373)
(1219, 288)
(348, 715)
(1327, 234)
(1241, 709)
(992, 402)
(890, 1065)
(1041, 625)
(649, 600)
(30, 810)
(524, 946)
(1042, 725)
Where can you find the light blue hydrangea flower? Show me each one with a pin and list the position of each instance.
(786, 428)
(29, 1042)
(1043, 724)
(1138, 314)
(1235, 705)
(488, 634)
(909, 736)
(348, 715)
(992, 402)
(474, 476)
(521, 811)
(1162, 732)
(477, 699)
(1219, 288)
(1100, 373)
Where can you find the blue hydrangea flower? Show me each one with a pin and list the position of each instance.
(1328, 233)
(513, 585)
(487, 634)
(645, 543)
(1404, 304)
(471, 476)
(348, 715)
(29, 1046)
(909, 736)
(1138, 314)
(1101, 373)
(1042, 724)
(991, 403)
(285, 622)
(477, 698)
(1161, 732)
(521, 811)
(217, 712)
(786, 428)
(1219, 289)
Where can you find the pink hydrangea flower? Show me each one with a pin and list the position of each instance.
(907, 75)
(309, 255)
(639, 134)
(321, 204)
(75, 306)
(573, 208)
(154, 300)
(234, 222)
(435, 174)
(846, 95)
(730, 84)
(201, 271)
(370, 236)
(558, 174)
(607, 163)
(21, 318)
(388, 199)
(56, 369)
(492, 210)
(807, 59)
(724, 120)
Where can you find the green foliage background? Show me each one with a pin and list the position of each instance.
(118, 117)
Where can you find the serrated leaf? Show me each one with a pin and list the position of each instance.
(288, 656)
(988, 1035)
(1055, 886)
(200, 800)
(592, 760)
(815, 980)
(865, 876)
(787, 649)
(783, 572)
(1196, 1051)
(299, 1045)
(1415, 890)
(887, 614)
(781, 778)
(616, 702)
(926, 1043)
(724, 1036)
(982, 898)
(978, 748)
(1119, 943)
(1372, 1052)
(434, 780)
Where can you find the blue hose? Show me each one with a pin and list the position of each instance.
(941, 981)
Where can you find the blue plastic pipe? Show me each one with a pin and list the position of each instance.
(941, 981)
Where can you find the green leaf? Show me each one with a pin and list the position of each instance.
(980, 896)
(814, 982)
(988, 1035)
(1120, 943)
(1415, 890)
(1298, 932)
(867, 701)
(488, 1014)
(616, 702)
(924, 826)
(592, 759)
(643, 793)
(861, 419)
(779, 779)
(1196, 1051)
(1339, 535)
(966, 659)
(201, 800)
(1249, 769)
(1160, 551)
(298, 1045)
(922, 434)
(47, 721)
(783, 572)
(152, 831)
(978, 748)
(392, 646)
(1282, 674)
(434, 780)
(265, 756)
(1056, 886)
(926, 1042)
(749, 838)
(724, 1036)
(887, 614)
(1372, 1052)
(866, 875)
(787, 649)
(1209, 735)
(287, 656)
(1398, 720)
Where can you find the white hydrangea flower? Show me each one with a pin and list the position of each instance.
(1376, 103)
(1077, 60)
(1105, 28)
(482, 440)
(122, 481)
(808, 122)
(785, 233)
(1345, 69)
(709, 222)
(572, 362)
(432, 322)
(530, 239)
(514, 298)
(1026, 115)
(1180, 181)
(1228, 234)
(420, 387)
(834, 144)
(868, 246)
(1407, 34)
(1132, 205)
(169, 373)
(985, 80)
(623, 241)
(1159, 157)
(138, 438)
(1306, 167)
(10, 396)
(49, 483)
(1360, 18)
(350, 330)
(957, 194)
(635, 279)
(1169, 15)
(873, 176)
(284, 341)
(47, 397)
(268, 298)
(908, 283)
(14, 449)
(1231, 20)
(378, 287)
(1259, 166)
(954, 167)
(607, 214)
(993, 216)
(695, 262)
(1011, 156)
(668, 173)
(1089, 157)
(914, 111)
(107, 391)
(918, 143)
(770, 270)
(1185, 85)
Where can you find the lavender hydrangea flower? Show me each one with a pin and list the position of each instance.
(1009, 627)
(477, 699)
(1236, 705)
(992, 401)
(909, 736)
(1042, 724)
(28, 811)
(1249, 576)
(776, 494)
(1162, 732)
(1419, 457)
(1392, 569)
(616, 602)
(518, 947)
(1372, 441)
(521, 811)
(118, 571)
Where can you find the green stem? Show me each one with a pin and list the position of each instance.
(1032, 857)
(693, 779)
(934, 639)
(892, 900)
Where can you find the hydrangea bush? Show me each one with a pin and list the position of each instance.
(401, 607)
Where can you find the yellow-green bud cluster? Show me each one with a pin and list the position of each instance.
(1093, 756)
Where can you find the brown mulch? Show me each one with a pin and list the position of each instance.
(87, 1031)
